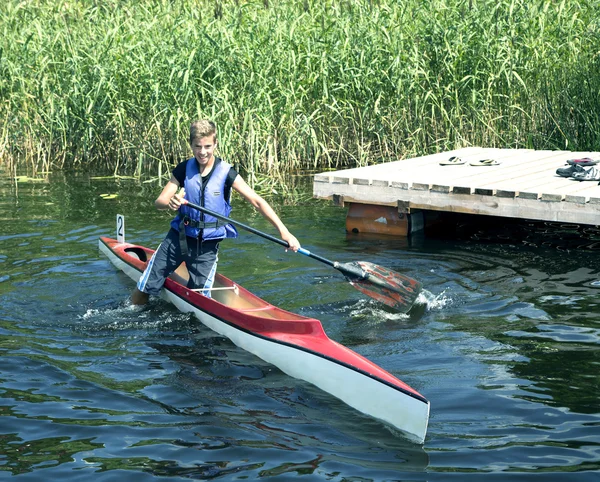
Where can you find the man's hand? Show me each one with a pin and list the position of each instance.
(176, 200)
(292, 241)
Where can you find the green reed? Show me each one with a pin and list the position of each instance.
(113, 84)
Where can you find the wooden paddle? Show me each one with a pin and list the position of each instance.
(377, 282)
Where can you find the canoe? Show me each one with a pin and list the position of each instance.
(295, 344)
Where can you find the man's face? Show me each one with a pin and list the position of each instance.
(204, 149)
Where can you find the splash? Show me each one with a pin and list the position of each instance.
(127, 316)
(373, 311)
(123, 308)
(432, 301)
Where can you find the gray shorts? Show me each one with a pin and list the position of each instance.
(200, 260)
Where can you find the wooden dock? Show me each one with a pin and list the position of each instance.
(523, 185)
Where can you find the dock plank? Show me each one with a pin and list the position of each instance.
(523, 185)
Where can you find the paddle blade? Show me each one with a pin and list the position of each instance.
(384, 285)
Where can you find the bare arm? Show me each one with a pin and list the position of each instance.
(266, 210)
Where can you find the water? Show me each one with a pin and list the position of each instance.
(504, 343)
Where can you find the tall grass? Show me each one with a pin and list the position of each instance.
(113, 84)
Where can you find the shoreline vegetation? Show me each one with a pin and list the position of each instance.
(292, 85)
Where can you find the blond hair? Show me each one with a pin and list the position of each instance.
(202, 128)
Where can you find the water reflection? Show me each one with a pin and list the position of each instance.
(550, 322)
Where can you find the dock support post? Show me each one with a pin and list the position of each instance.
(395, 221)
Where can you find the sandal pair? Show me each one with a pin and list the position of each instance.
(455, 161)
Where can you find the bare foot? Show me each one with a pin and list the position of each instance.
(139, 297)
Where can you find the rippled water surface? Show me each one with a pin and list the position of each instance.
(504, 342)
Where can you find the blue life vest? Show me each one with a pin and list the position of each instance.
(211, 197)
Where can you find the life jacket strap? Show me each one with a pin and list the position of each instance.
(187, 221)
(183, 238)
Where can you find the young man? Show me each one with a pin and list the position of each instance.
(194, 237)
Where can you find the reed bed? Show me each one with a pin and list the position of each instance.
(113, 84)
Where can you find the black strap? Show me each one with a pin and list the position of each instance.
(187, 221)
(183, 239)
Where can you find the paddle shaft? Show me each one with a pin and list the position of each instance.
(260, 233)
(395, 290)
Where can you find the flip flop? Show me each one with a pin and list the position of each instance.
(453, 161)
(485, 162)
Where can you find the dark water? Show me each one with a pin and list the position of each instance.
(504, 343)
